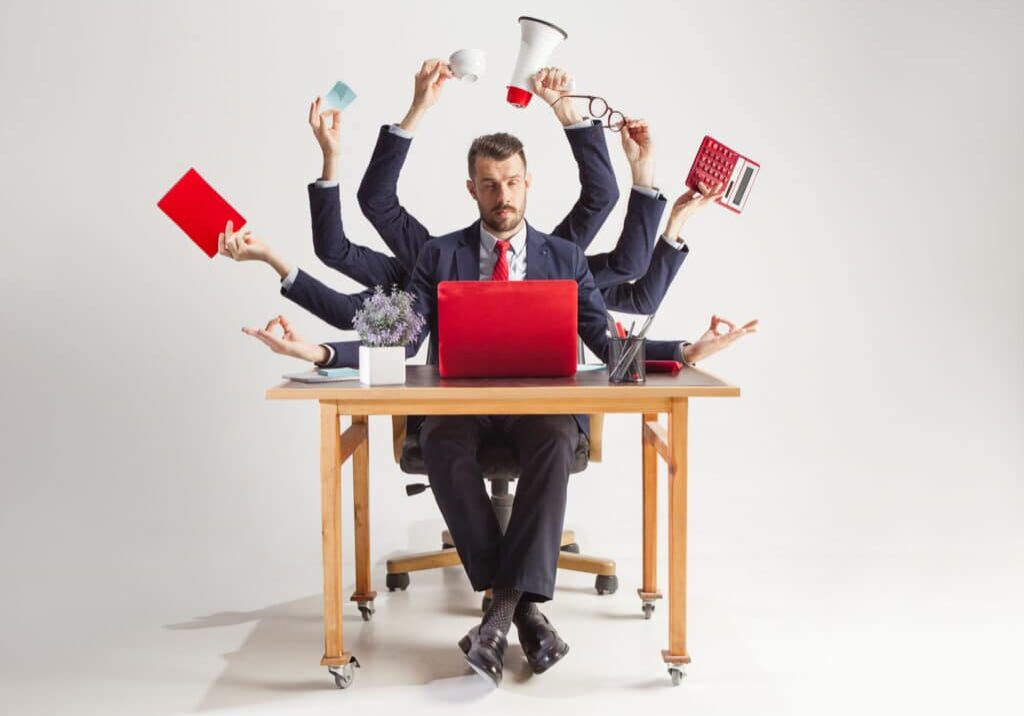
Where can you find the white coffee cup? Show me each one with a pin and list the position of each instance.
(468, 65)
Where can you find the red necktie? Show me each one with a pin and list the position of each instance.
(500, 272)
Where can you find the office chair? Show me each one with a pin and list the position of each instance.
(500, 468)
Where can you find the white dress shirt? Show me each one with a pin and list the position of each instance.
(515, 255)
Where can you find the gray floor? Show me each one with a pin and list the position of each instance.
(770, 633)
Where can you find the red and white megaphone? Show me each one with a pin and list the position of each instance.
(539, 40)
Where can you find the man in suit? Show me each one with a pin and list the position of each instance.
(519, 565)
(406, 236)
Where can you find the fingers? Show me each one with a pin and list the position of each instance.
(221, 249)
(271, 341)
(261, 337)
(276, 320)
(717, 321)
(749, 326)
(335, 117)
(285, 325)
(314, 114)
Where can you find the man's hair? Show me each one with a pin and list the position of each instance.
(498, 146)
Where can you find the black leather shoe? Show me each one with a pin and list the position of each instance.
(541, 644)
(485, 652)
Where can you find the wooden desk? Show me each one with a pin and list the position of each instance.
(425, 393)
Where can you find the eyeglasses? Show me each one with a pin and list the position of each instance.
(598, 109)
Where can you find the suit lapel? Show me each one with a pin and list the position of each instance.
(467, 255)
(538, 255)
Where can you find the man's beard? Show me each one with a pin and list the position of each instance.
(496, 222)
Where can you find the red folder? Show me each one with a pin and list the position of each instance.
(199, 211)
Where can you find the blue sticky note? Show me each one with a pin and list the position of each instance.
(340, 96)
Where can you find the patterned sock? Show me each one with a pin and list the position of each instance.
(503, 606)
(525, 610)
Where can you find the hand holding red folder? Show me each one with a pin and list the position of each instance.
(199, 211)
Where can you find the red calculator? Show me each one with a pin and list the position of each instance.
(716, 163)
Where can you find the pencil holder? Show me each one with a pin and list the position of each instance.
(626, 359)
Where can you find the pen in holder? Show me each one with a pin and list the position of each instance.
(626, 359)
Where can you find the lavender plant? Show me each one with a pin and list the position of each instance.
(387, 319)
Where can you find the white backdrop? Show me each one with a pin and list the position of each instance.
(883, 402)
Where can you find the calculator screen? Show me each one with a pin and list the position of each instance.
(740, 183)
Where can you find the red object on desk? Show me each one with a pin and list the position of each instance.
(199, 211)
(663, 366)
(716, 163)
(506, 329)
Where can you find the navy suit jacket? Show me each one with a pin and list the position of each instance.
(456, 257)
(646, 293)
(405, 235)
(338, 309)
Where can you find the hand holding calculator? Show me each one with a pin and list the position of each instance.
(716, 163)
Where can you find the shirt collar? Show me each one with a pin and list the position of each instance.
(488, 241)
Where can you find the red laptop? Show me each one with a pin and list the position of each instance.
(506, 329)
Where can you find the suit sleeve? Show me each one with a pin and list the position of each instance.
(598, 189)
(644, 295)
(378, 199)
(632, 253)
(364, 265)
(330, 306)
(423, 288)
(592, 318)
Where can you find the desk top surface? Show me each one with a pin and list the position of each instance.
(423, 383)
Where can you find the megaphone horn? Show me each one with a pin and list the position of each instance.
(539, 40)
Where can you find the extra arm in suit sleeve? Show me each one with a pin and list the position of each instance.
(364, 265)
(330, 306)
(592, 319)
(378, 198)
(598, 189)
(644, 295)
(632, 253)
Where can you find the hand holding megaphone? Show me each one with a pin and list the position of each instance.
(553, 83)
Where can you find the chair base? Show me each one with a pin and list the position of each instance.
(605, 583)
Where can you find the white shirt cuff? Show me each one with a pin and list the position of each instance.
(582, 124)
(651, 191)
(287, 281)
(395, 129)
(677, 245)
(326, 183)
(330, 355)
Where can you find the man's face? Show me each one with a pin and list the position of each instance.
(499, 187)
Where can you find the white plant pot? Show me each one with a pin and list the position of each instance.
(382, 366)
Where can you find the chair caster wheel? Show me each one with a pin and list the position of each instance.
(677, 673)
(344, 675)
(573, 547)
(606, 584)
(367, 610)
(398, 580)
(648, 608)
(485, 604)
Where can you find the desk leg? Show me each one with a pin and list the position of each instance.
(649, 591)
(364, 593)
(330, 506)
(676, 655)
